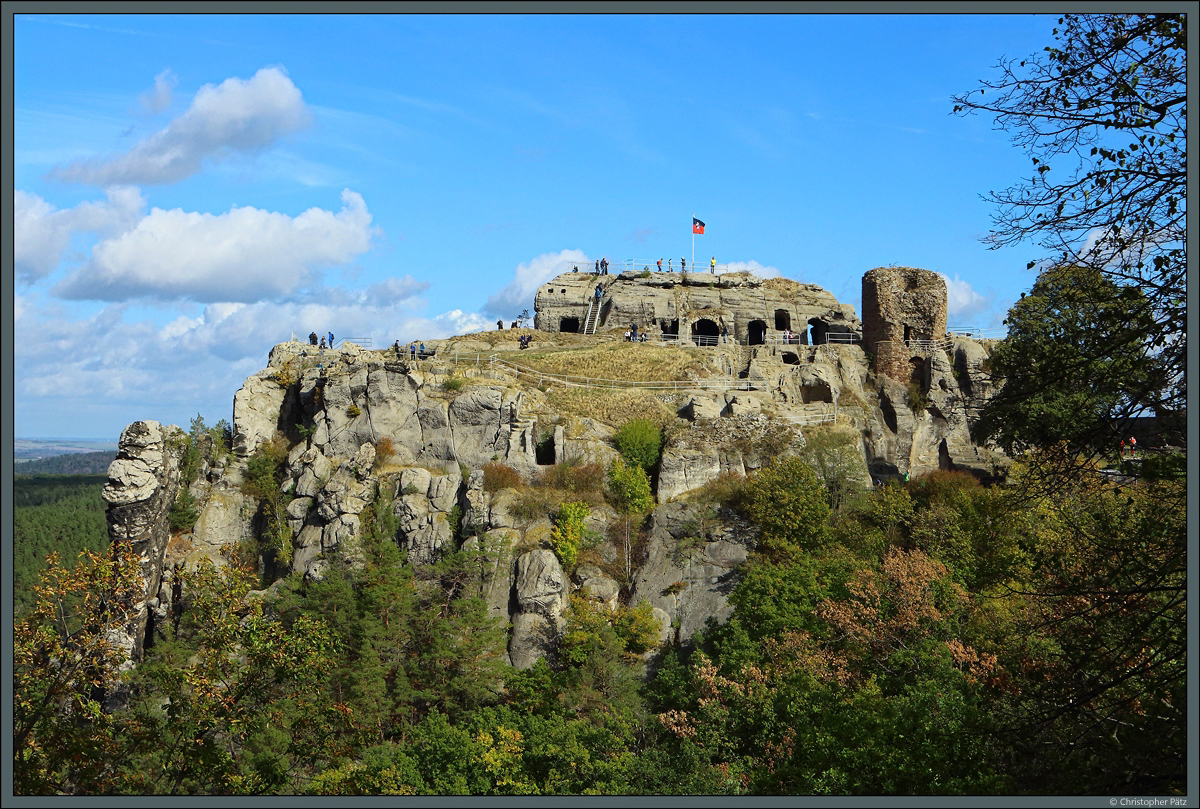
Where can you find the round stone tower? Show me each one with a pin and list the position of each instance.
(903, 310)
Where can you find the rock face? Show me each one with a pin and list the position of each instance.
(141, 487)
(350, 428)
(695, 306)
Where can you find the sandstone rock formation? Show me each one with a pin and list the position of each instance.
(141, 487)
(695, 306)
(354, 426)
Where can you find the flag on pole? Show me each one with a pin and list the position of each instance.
(697, 226)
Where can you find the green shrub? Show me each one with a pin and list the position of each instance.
(640, 442)
(353, 411)
(629, 488)
(789, 504)
(727, 490)
(567, 532)
(453, 383)
(638, 627)
(915, 399)
(183, 513)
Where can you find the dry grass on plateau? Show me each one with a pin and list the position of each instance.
(612, 407)
(641, 362)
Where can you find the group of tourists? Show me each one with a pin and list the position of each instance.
(312, 340)
(524, 341)
(712, 265)
(415, 350)
(1131, 444)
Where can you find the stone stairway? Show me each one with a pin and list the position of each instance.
(522, 436)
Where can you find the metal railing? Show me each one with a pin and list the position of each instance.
(943, 344)
(668, 265)
(976, 332)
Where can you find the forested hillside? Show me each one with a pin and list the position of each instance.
(929, 638)
(77, 463)
(59, 514)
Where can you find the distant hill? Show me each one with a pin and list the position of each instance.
(77, 463)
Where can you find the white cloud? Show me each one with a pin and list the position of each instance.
(238, 115)
(752, 267)
(245, 255)
(961, 300)
(42, 233)
(518, 293)
(129, 369)
(158, 97)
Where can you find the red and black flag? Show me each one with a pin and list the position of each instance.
(697, 225)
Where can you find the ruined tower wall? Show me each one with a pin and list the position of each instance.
(901, 304)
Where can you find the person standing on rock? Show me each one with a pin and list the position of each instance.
(604, 266)
(597, 266)
(331, 339)
(499, 325)
(683, 264)
(712, 265)
(312, 338)
(660, 265)
(669, 266)
(322, 342)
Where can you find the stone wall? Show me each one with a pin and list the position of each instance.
(754, 310)
(901, 304)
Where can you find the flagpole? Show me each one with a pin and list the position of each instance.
(693, 241)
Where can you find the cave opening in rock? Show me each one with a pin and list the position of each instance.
(568, 324)
(790, 358)
(818, 328)
(756, 332)
(705, 332)
(544, 450)
(783, 320)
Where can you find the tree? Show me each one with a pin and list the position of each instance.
(836, 457)
(66, 658)
(1102, 115)
(630, 489)
(1074, 366)
(788, 503)
(639, 441)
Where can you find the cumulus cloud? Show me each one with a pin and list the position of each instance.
(247, 254)
(158, 97)
(238, 115)
(131, 368)
(752, 267)
(42, 233)
(518, 293)
(962, 301)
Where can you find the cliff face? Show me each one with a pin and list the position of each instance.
(141, 487)
(351, 426)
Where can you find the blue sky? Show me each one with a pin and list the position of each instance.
(190, 190)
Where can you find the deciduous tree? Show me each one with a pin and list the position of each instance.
(1102, 114)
